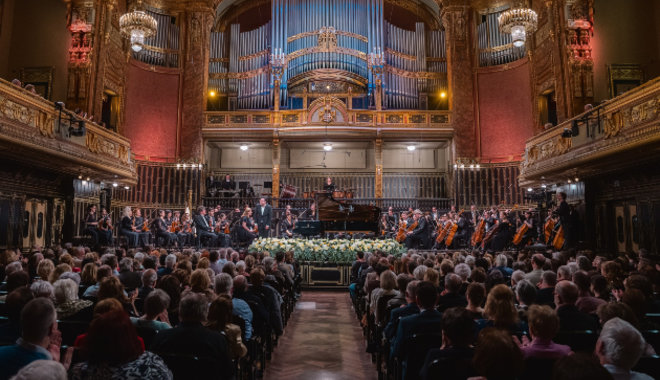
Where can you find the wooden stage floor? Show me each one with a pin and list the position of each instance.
(323, 341)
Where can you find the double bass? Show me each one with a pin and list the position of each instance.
(558, 241)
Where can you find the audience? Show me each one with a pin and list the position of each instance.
(619, 348)
(219, 319)
(543, 327)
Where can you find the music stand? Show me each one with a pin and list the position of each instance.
(268, 185)
(243, 185)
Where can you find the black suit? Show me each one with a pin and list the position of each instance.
(204, 230)
(263, 219)
(450, 300)
(191, 338)
(572, 319)
(420, 235)
(126, 229)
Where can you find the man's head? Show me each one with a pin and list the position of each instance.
(620, 344)
(201, 210)
(223, 283)
(538, 260)
(193, 308)
(240, 283)
(525, 292)
(453, 283)
(427, 295)
(458, 327)
(38, 321)
(149, 278)
(170, 260)
(566, 293)
(548, 279)
(262, 201)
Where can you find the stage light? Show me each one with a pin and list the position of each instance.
(529, 189)
(327, 147)
(200, 166)
(244, 147)
(477, 166)
(471, 166)
(80, 176)
(443, 94)
(126, 187)
(178, 166)
(543, 186)
(115, 184)
(455, 166)
(577, 179)
(212, 93)
(88, 179)
(411, 147)
(84, 183)
(569, 180)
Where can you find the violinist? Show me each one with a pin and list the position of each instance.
(247, 232)
(177, 228)
(287, 225)
(105, 228)
(222, 229)
(418, 237)
(141, 227)
(162, 230)
(168, 220)
(384, 225)
(392, 218)
(91, 224)
(127, 228)
(329, 186)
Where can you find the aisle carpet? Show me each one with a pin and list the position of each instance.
(323, 341)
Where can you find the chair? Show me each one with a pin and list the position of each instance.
(71, 330)
(185, 366)
(538, 369)
(652, 337)
(147, 334)
(653, 318)
(450, 369)
(579, 341)
(420, 345)
(649, 365)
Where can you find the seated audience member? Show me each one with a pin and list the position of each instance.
(190, 337)
(219, 319)
(475, 294)
(580, 366)
(451, 297)
(200, 283)
(155, 312)
(131, 280)
(42, 370)
(172, 286)
(15, 280)
(269, 298)
(538, 260)
(111, 287)
(40, 339)
(543, 327)
(14, 304)
(500, 311)
(619, 348)
(224, 285)
(428, 321)
(600, 288)
(399, 300)
(170, 260)
(101, 273)
(149, 278)
(525, 295)
(455, 356)
(43, 289)
(88, 275)
(409, 309)
(496, 355)
(387, 289)
(113, 351)
(67, 304)
(546, 289)
(586, 302)
(570, 318)
(44, 269)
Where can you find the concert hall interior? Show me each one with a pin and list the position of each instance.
(266, 156)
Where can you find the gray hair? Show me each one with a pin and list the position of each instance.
(170, 260)
(156, 302)
(463, 270)
(126, 264)
(109, 259)
(240, 266)
(517, 276)
(525, 292)
(223, 283)
(268, 263)
(43, 370)
(65, 290)
(453, 282)
(139, 257)
(194, 307)
(419, 272)
(622, 344)
(149, 277)
(71, 276)
(470, 261)
(42, 288)
(13, 267)
(565, 272)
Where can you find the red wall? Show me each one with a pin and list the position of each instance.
(151, 112)
(505, 111)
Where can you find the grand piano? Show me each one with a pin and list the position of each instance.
(339, 216)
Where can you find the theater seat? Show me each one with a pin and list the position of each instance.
(194, 367)
(70, 330)
(579, 341)
(538, 369)
(649, 365)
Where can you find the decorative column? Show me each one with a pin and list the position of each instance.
(376, 63)
(276, 168)
(197, 22)
(81, 26)
(457, 22)
(277, 67)
(378, 158)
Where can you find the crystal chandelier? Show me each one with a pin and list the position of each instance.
(518, 22)
(137, 25)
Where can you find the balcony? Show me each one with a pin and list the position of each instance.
(619, 133)
(36, 131)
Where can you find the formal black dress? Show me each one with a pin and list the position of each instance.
(126, 229)
(243, 234)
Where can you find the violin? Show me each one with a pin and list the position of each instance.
(401, 234)
(174, 227)
(103, 223)
(145, 227)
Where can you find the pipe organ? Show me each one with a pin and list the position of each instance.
(163, 48)
(326, 44)
(495, 47)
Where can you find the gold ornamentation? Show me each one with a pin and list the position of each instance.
(337, 32)
(400, 54)
(613, 124)
(327, 38)
(248, 57)
(414, 74)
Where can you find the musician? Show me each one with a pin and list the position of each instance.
(186, 229)
(503, 235)
(246, 231)
(564, 212)
(435, 216)
(311, 213)
(228, 184)
(329, 186)
(127, 228)
(384, 226)
(418, 238)
(491, 220)
(91, 224)
(204, 229)
(168, 219)
(531, 233)
(162, 230)
(263, 217)
(392, 218)
(210, 217)
(287, 225)
(141, 227)
(105, 228)
(177, 228)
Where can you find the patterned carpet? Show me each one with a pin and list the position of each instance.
(323, 341)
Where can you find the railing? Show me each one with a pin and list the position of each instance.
(623, 123)
(33, 122)
(398, 204)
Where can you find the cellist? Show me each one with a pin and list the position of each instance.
(418, 236)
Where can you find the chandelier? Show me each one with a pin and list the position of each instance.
(518, 22)
(137, 25)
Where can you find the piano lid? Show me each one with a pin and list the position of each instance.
(331, 209)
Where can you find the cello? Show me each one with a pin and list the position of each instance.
(548, 228)
(558, 241)
(522, 230)
(452, 231)
(401, 234)
(444, 231)
(478, 234)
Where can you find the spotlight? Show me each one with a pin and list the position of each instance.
(84, 183)
(200, 166)
(477, 166)
(411, 147)
(115, 184)
(471, 166)
(88, 179)
(244, 147)
(178, 166)
(455, 166)
(443, 94)
(80, 176)
(212, 93)
(185, 166)
(529, 189)
(569, 180)
(577, 179)
(543, 186)
(126, 187)
(327, 147)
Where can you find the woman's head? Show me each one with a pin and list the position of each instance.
(220, 312)
(496, 355)
(59, 269)
(112, 340)
(111, 287)
(45, 268)
(156, 302)
(543, 321)
(65, 290)
(500, 307)
(172, 286)
(475, 294)
(199, 281)
(88, 274)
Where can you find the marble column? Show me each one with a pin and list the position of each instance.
(197, 20)
(458, 23)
